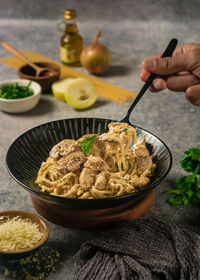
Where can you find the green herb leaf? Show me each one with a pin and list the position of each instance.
(86, 144)
(192, 159)
(174, 191)
(188, 187)
(198, 195)
(176, 201)
(190, 193)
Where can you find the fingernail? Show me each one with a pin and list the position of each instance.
(157, 85)
(150, 64)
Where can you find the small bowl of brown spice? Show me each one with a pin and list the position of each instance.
(45, 81)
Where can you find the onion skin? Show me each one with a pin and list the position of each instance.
(95, 57)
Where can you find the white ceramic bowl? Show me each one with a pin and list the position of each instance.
(23, 104)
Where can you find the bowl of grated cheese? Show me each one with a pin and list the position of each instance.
(21, 232)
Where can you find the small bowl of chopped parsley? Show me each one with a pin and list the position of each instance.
(19, 96)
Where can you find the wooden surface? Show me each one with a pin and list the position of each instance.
(93, 219)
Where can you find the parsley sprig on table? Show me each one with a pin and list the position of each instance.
(188, 187)
(86, 144)
(16, 91)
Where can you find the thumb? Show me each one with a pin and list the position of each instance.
(167, 65)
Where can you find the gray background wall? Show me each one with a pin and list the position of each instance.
(114, 10)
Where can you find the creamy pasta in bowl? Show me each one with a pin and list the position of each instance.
(98, 166)
(88, 163)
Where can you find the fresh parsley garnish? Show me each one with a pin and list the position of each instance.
(15, 91)
(191, 160)
(188, 187)
(124, 130)
(86, 144)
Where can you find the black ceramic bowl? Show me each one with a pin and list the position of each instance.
(26, 153)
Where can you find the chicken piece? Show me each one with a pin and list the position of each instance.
(96, 164)
(87, 178)
(100, 183)
(142, 157)
(128, 189)
(71, 162)
(140, 181)
(98, 146)
(64, 148)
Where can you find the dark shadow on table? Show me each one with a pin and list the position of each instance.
(97, 104)
(117, 70)
(43, 107)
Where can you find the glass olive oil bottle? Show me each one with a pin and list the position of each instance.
(71, 43)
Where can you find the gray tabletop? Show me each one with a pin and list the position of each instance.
(132, 36)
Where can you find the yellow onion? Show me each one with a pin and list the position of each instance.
(95, 57)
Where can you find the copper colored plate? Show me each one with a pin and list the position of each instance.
(43, 227)
(93, 219)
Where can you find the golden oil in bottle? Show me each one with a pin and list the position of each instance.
(71, 43)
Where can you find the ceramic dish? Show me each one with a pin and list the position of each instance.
(23, 104)
(26, 72)
(43, 227)
(26, 153)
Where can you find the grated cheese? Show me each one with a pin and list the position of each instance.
(18, 234)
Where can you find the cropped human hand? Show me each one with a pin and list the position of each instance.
(181, 71)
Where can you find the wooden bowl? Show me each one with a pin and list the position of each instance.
(93, 219)
(27, 72)
(43, 227)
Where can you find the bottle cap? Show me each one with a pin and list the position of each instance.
(69, 14)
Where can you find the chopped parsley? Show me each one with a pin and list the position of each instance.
(124, 130)
(15, 91)
(86, 144)
(188, 187)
